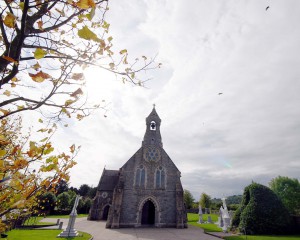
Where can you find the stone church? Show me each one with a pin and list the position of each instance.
(146, 191)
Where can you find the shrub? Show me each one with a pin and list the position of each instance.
(261, 212)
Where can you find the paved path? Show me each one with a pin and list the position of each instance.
(99, 232)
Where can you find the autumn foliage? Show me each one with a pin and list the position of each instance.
(28, 168)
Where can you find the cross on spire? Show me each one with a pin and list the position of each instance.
(153, 105)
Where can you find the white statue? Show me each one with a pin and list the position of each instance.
(224, 219)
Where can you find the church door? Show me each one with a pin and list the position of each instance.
(105, 212)
(148, 213)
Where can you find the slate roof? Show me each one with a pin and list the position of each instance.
(108, 180)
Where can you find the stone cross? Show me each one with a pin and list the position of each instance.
(70, 231)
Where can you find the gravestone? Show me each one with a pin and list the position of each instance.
(200, 215)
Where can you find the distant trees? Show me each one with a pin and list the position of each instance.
(205, 200)
(188, 199)
(288, 190)
(261, 212)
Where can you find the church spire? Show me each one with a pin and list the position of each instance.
(152, 135)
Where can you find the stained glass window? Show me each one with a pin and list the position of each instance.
(140, 176)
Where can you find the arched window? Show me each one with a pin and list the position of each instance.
(152, 126)
(140, 176)
(160, 178)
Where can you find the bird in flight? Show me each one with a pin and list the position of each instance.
(267, 8)
(220, 93)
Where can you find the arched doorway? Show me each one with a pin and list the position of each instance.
(148, 213)
(105, 212)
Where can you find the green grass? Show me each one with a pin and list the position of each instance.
(208, 227)
(263, 238)
(41, 234)
(66, 216)
(36, 221)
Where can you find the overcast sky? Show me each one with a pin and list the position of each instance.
(219, 142)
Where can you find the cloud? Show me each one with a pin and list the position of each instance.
(220, 143)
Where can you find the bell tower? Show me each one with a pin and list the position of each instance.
(152, 136)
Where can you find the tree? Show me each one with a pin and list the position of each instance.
(205, 200)
(47, 202)
(63, 201)
(61, 187)
(188, 199)
(92, 192)
(261, 212)
(288, 190)
(28, 169)
(83, 190)
(44, 47)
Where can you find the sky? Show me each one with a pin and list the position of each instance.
(227, 93)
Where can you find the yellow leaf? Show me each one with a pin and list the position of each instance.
(91, 14)
(77, 76)
(72, 148)
(80, 117)
(39, 53)
(36, 66)
(1, 162)
(2, 152)
(7, 93)
(69, 102)
(21, 4)
(111, 65)
(39, 77)
(44, 139)
(40, 120)
(110, 38)
(105, 25)
(87, 34)
(76, 93)
(5, 112)
(85, 4)
(123, 51)
(40, 24)
(10, 20)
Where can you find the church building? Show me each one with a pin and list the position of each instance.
(146, 191)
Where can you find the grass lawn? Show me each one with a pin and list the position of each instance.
(263, 238)
(66, 216)
(36, 221)
(208, 227)
(41, 234)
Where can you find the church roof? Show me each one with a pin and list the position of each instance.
(109, 180)
(153, 114)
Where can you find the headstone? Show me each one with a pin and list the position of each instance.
(70, 231)
(209, 219)
(200, 210)
(200, 219)
(60, 225)
(200, 215)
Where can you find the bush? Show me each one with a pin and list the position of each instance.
(261, 212)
